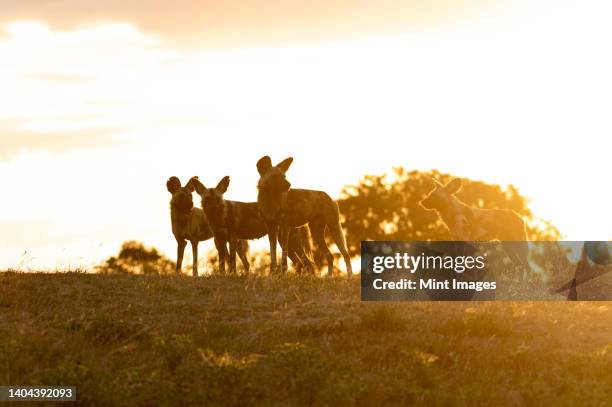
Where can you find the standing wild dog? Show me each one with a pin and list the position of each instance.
(474, 224)
(232, 220)
(284, 209)
(190, 224)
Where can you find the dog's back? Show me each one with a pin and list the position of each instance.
(244, 220)
(308, 205)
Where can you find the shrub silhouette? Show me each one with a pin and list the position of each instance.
(135, 258)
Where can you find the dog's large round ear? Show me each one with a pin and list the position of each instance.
(453, 186)
(285, 164)
(264, 164)
(173, 184)
(194, 184)
(223, 184)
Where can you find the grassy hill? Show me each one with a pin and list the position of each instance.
(135, 340)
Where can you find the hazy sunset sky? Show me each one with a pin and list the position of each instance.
(100, 102)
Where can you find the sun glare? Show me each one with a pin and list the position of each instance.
(461, 100)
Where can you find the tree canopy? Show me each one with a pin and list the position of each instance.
(386, 207)
(136, 258)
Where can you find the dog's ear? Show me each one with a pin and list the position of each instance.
(173, 184)
(285, 164)
(223, 184)
(436, 183)
(194, 184)
(264, 164)
(454, 186)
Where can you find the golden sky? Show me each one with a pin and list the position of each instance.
(100, 105)
(240, 23)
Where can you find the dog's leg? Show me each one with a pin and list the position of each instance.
(243, 254)
(306, 263)
(284, 243)
(232, 255)
(180, 252)
(293, 255)
(222, 253)
(317, 230)
(336, 231)
(297, 258)
(284, 262)
(272, 236)
(194, 248)
(297, 249)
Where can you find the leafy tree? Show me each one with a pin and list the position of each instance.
(135, 258)
(383, 207)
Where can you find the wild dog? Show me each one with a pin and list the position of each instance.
(232, 220)
(284, 208)
(190, 224)
(466, 223)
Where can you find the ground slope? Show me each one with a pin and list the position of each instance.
(135, 340)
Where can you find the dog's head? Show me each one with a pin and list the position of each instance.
(182, 200)
(212, 198)
(272, 177)
(442, 195)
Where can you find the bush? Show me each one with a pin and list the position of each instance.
(135, 258)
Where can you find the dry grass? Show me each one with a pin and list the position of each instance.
(144, 340)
